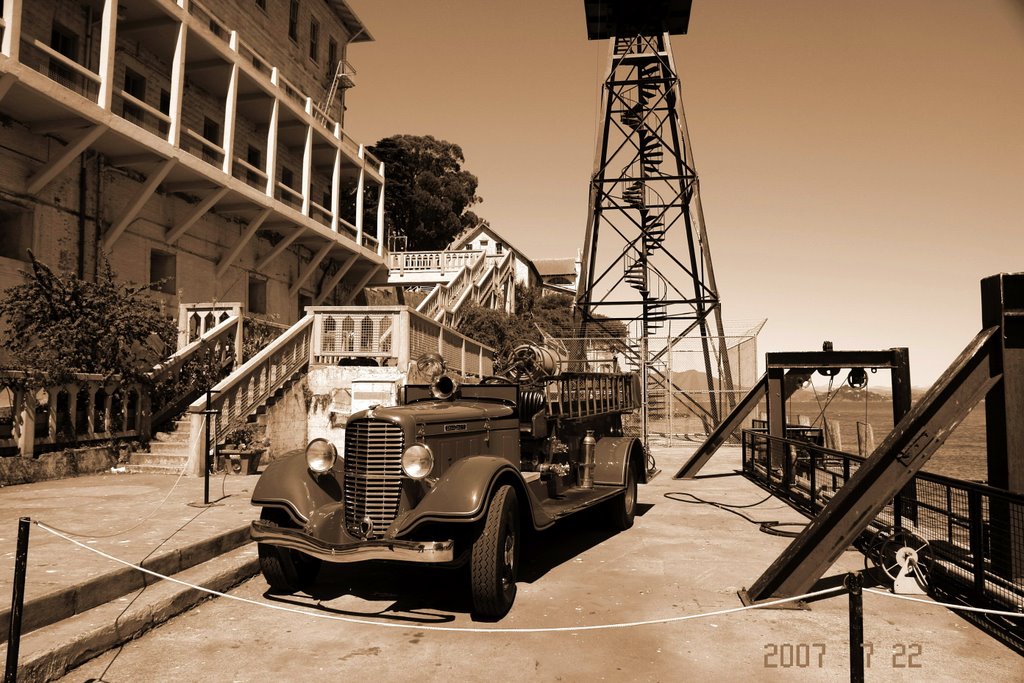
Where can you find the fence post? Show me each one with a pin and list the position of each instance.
(17, 601)
(977, 539)
(854, 583)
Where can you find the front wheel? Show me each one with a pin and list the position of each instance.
(494, 559)
(285, 570)
(622, 508)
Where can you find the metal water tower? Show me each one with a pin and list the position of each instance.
(647, 261)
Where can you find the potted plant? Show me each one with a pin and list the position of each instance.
(241, 452)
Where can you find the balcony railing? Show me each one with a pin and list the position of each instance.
(89, 409)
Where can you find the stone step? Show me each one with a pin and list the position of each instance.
(143, 468)
(168, 447)
(162, 458)
(176, 436)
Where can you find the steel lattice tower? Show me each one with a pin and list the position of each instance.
(647, 261)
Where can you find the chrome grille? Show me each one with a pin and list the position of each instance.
(373, 476)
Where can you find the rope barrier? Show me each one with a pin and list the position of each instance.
(453, 629)
(948, 605)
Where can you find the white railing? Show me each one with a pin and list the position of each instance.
(393, 335)
(249, 388)
(479, 282)
(440, 262)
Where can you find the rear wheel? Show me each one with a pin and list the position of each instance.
(622, 508)
(285, 570)
(494, 560)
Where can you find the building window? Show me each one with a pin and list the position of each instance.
(165, 108)
(314, 40)
(134, 85)
(163, 272)
(253, 157)
(293, 20)
(288, 180)
(211, 131)
(257, 295)
(332, 58)
(64, 41)
(16, 231)
(499, 247)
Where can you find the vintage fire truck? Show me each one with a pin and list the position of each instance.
(454, 475)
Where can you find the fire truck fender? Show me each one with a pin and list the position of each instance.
(287, 483)
(462, 494)
(613, 454)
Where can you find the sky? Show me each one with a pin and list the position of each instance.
(861, 164)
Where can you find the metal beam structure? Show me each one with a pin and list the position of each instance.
(786, 371)
(647, 260)
(990, 368)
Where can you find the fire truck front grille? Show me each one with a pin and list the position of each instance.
(373, 476)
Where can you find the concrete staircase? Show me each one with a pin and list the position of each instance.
(168, 451)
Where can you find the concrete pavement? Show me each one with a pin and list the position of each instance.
(154, 519)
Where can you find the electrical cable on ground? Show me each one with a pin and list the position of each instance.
(455, 629)
(769, 526)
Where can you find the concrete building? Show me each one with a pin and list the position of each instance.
(486, 239)
(200, 144)
(559, 274)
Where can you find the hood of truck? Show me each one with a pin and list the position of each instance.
(433, 412)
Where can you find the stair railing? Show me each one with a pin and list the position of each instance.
(250, 387)
(220, 341)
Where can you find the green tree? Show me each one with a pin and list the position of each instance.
(61, 325)
(428, 193)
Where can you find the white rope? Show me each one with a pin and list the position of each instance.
(458, 629)
(948, 605)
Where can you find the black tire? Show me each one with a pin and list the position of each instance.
(494, 559)
(622, 509)
(285, 570)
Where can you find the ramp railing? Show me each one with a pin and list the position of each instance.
(973, 531)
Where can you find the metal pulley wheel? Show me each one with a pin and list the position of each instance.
(905, 558)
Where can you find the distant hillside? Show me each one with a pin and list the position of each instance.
(844, 393)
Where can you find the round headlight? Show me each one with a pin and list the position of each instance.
(321, 455)
(417, 461)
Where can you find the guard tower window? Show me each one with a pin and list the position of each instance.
(163, 272)
(257, 295)
(314, 40)
(16, 231)
(293, 20)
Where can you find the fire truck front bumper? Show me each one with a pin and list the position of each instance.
(425, 552)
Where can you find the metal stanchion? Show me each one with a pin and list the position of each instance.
(17, 601)
(855, 583)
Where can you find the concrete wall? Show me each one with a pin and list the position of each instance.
(332, 399)
(285, 422)
(68, 463)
